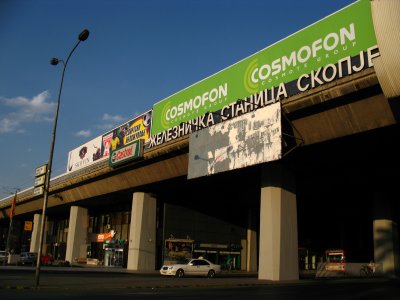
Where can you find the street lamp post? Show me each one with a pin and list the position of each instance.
(54, 61)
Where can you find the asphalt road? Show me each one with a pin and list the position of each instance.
(98, 285)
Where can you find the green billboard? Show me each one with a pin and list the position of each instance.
(283, 68)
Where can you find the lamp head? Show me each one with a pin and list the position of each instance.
(54, 61)
(83, 35)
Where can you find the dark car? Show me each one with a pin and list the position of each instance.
(28, 258)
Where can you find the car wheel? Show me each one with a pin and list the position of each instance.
(180, 273)
(211, 274)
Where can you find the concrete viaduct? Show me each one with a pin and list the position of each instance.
(341, 169)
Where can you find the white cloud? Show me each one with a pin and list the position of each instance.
(24, 111)
(110, 118)
(84, 133)
(109, 122)
(7, 125)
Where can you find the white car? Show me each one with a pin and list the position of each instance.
(3, 256)
(193, 267)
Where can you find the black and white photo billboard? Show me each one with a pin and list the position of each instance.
(250, 139)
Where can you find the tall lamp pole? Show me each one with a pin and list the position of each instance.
(54, 61)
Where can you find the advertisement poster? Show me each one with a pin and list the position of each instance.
(339, 45)
(85, 155)
(237, 143)
(138, 128)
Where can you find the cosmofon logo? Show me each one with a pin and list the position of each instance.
(328, 45)
(249, 84)
(201, 99)
(166, 108)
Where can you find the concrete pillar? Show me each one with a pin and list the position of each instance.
(386, 246)
(142, 235)
(251, 263)
(278, 258)
(77, 233)
(35, 237)
(243, 255)
(386, 235)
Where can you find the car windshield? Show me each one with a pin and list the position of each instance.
(183, 261)
(335, 258)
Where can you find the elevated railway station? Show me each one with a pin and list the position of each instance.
(266, 176)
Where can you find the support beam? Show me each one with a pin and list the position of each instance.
(386, 231)
(77, 233)
(278, 259)
(386, 246)
(251, 262)
(142, 236)
(34, 247)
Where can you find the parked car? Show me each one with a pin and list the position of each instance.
(46, 259)
(28, 258)
(192, 267)
(3, 256)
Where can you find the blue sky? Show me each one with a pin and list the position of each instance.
(138, 53)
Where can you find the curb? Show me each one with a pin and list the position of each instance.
(132, 287)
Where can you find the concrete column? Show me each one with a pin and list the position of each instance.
(34, 247)
(251, 263)
(243, 255)
(386, 246)
(278, 259)
(77, 233)
(142, 235)
(386, 235)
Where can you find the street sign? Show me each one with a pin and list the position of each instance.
(28, 225)
(38, 191)
(40, 180)
(41, 170)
